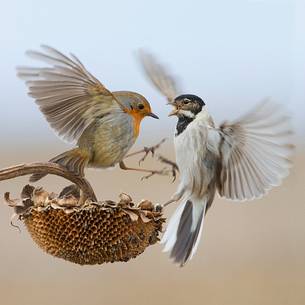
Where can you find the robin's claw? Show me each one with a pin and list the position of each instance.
(152, 173)
(147, 176)
(146, 151)
(152, 150)
(173, 165)
(174, 175)
(163, 172)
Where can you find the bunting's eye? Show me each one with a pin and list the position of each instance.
(186, 101)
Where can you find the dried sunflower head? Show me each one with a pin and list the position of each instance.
(91, 233)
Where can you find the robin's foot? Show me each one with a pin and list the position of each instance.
(146, 151)
(172, 164)
(163, 172)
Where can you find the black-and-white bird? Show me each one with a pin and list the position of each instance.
(241, 160)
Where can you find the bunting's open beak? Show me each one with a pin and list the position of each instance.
(173, 112)
(153, 115)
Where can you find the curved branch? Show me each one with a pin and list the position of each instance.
(50, 168)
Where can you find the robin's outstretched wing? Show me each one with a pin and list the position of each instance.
(254, 152)
(69, 96)
(158, 75)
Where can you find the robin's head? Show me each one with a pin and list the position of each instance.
(187, 105)
(136, 104)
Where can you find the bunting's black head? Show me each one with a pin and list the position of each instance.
(187, 105)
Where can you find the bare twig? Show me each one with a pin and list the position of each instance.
(50, 168)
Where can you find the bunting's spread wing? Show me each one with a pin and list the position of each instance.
(158, 75)
(254, 152)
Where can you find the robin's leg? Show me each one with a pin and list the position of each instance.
(146, 151)
(172, 164)
(152, 150)
(162, 172)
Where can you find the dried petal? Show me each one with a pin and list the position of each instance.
(146, 205)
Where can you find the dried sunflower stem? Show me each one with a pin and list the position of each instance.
(50, 168)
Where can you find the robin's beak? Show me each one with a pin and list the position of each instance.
(153, 115)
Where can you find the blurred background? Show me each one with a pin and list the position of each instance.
(232, 54)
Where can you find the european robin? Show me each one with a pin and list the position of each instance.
(79, 108)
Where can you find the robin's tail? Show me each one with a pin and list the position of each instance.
(74, 160)
(183, 232)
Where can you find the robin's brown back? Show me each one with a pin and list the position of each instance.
(80, 109)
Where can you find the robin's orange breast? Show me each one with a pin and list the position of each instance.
(137, 118)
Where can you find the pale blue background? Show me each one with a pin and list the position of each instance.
(231, 53)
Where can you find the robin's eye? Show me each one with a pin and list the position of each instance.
(140, 106)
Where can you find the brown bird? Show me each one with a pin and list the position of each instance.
(79, 108)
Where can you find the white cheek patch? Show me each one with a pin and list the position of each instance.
(187, 113)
